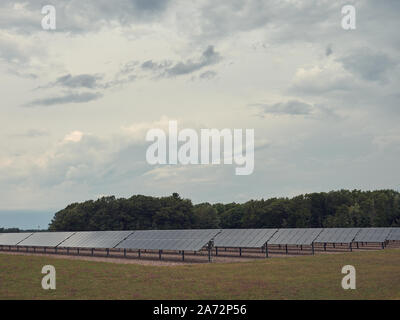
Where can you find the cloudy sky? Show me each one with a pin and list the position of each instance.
(76, 102)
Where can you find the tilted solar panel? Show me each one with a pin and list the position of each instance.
(12, 239)
(337, 235)
(46, 239)
(394, 234)
(373, 235)
(192, 240)
(243, 238)
(95, 239)
(295, 236)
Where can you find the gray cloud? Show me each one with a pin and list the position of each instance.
(68, 98)
(79, 81)
(284, 20)
(208, 57)
(368, 65)
(94, 81)
(11, 51)
(296, 108)
(291, 107)
(155, 66)
(128, 67)
(208, 75)
(328, 50)
(77, 16)
(169, 68)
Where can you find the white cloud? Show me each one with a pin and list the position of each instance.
(74, 136)
(322, 79)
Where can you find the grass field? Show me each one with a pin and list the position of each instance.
(307, 277)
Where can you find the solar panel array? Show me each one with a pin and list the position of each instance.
(243, 238)
(372, 235)
(394, 234)
(297, 236)
(12, 239)
(46, 239)
(337, 235)
(192, 240)
(195, 240)
(95, 239)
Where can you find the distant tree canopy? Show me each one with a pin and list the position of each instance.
(9, 230)
(16, 230)
(342, 208)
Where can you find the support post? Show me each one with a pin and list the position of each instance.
(312, 248)
(108, 252)
(240, 251)
(286, 249)
(183, 255)
(357, 245)
(325, 246)
(159, 254)
(92, 251)
(209, 248)
(139, 253)
(266, 250)
(351, 248)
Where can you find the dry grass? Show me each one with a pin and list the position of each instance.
(303, 277)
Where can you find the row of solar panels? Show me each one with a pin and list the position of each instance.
(256, 238)
(192, 240)
(196, 239)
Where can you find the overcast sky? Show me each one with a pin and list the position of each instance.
(77, 102)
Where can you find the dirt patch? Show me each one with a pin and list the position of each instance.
(172, 258)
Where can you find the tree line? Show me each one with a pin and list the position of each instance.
(13, 230)
(342, 208)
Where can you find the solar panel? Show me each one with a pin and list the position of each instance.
(337, 235)
(295, 236)
(46, 239)
(95, 239)
(394, 234)
(192, 240)
(372, 235)
(243, 238)
(12, 239)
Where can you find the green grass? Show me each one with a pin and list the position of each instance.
(308, 277)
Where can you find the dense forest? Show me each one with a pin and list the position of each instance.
(13, 230)
(6, 230)
(342, 208)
